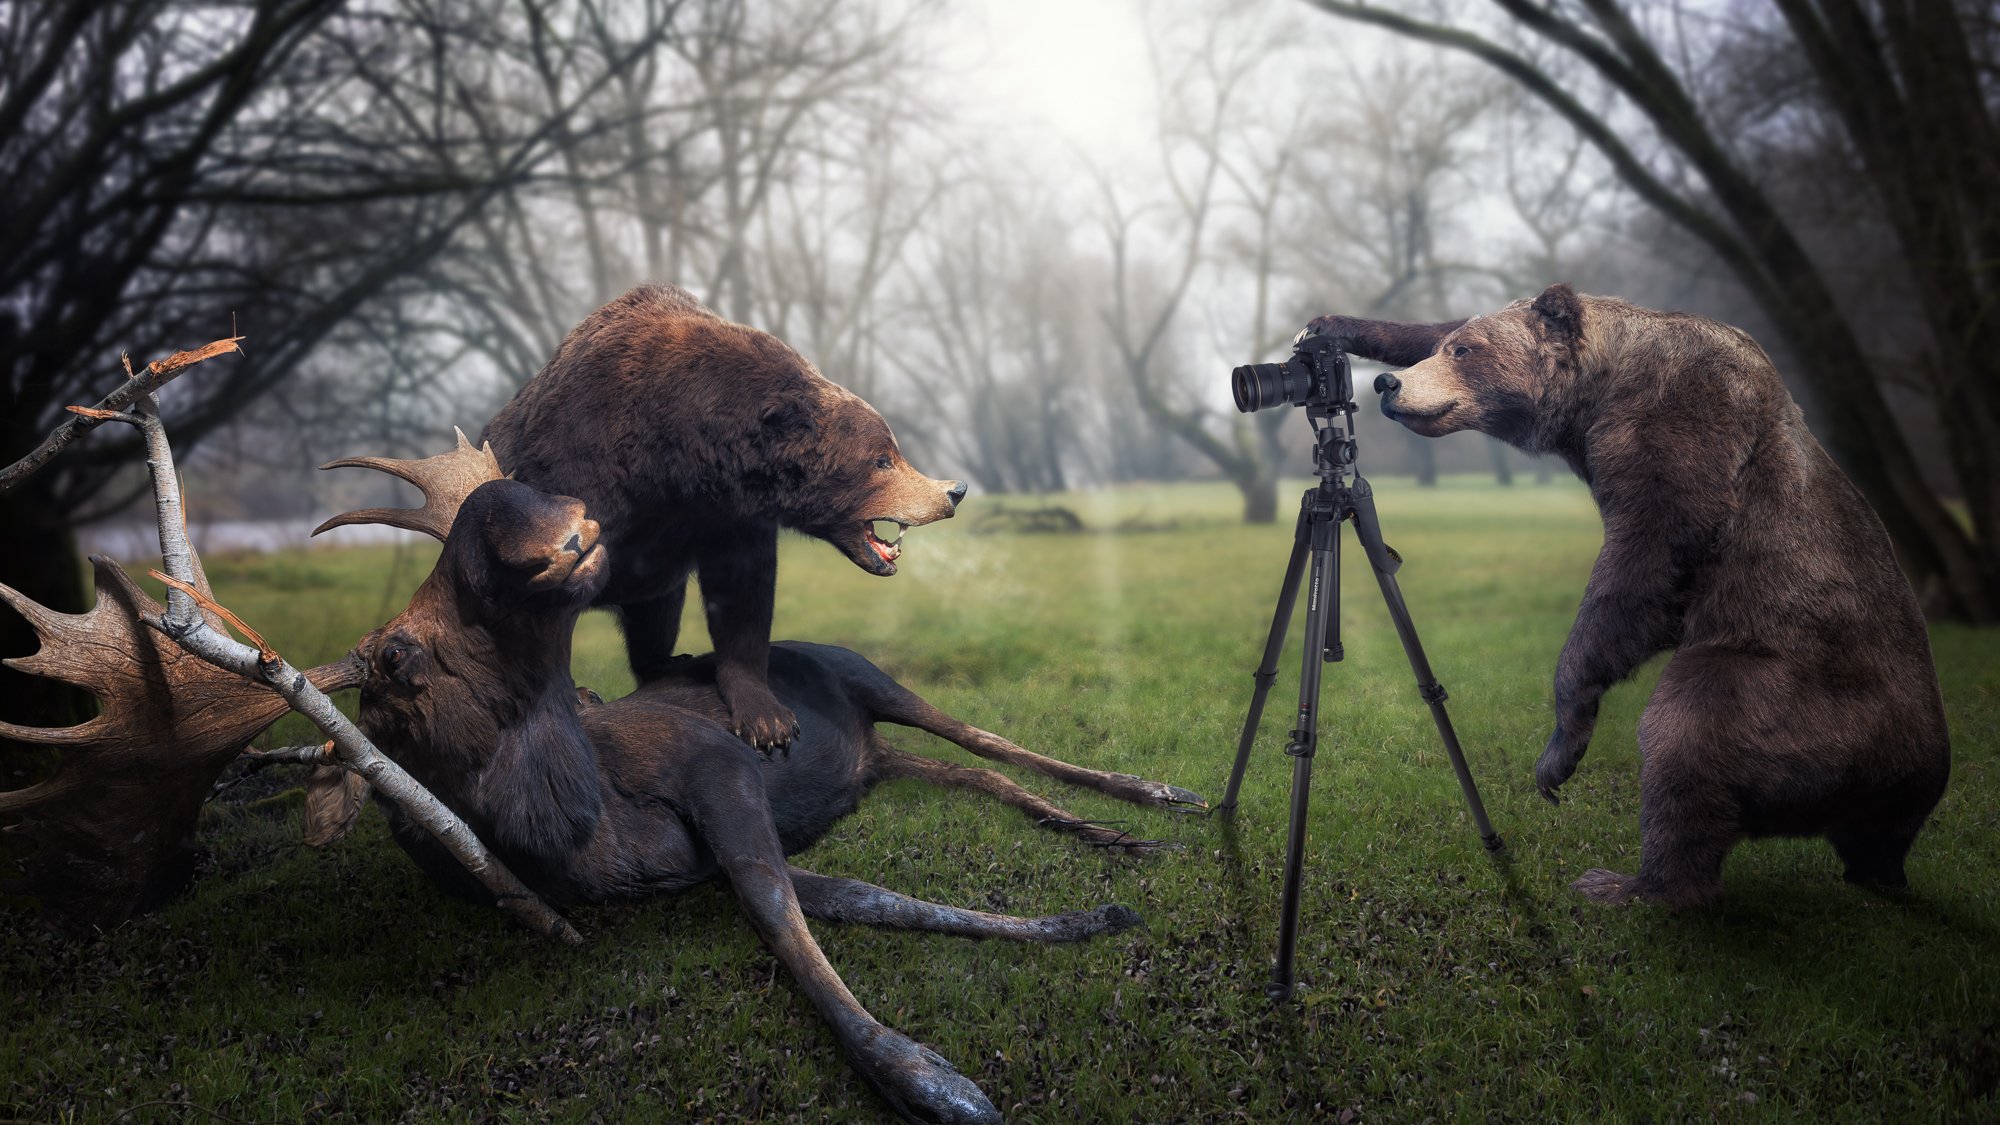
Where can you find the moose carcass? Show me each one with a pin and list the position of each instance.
(469, 689)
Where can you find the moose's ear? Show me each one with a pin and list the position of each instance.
(1561, 311)
(785, 418)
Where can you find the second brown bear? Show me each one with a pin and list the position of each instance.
(692, 440)
(1801, 699)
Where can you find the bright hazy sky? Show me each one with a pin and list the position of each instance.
(1076, 69)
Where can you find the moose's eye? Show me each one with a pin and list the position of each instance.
(394, 657)
(883, 461)
(1460, 350)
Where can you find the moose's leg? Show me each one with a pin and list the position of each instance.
(885, 763)
(732, 817)
(851, 900)
(738, 564)
(892, 702)
(651, 630)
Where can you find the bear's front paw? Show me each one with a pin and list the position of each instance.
(1340, 327)
(764, 723)
(1557, 763)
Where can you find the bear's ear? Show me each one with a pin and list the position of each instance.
(786, 418)
(1561, 311)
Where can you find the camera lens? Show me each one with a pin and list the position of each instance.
(1258, 386)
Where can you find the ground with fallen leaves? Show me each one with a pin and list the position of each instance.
(1435, 983)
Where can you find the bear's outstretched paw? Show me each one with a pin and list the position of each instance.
(1606, 887)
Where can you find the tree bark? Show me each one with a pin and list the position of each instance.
(1954, 575)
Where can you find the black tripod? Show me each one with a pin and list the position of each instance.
(1321, 513)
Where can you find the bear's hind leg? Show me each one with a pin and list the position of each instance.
(1688, 822)
(651, 631)
(1874, 856)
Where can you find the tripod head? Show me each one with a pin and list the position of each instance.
(1317, 377)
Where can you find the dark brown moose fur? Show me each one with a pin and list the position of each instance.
(693, 440)
(1801, 698)
(469, 689)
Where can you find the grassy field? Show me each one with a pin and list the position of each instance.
(1436, 983)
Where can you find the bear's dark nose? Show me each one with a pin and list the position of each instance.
(956, 492)
(1385, 382)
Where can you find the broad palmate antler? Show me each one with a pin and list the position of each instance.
(114, 825)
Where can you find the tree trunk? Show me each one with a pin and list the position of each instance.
(1502, 471)
(1424, 456)
(1260, 497)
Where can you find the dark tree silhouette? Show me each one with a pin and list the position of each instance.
(1908, 93)
(291, 162)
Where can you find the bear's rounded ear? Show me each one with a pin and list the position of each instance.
(1561, 311)
(782, 419)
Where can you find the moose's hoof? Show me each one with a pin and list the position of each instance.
(921, 1085)
(1159, 794)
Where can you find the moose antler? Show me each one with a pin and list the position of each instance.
(116, 821)
(113, 826)
(446, 480)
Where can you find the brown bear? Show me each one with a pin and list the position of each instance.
(692, 440)
(1801, 698)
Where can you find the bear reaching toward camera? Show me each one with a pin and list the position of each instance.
(1801, 698)
(692, 440)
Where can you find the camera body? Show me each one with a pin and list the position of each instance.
(1316, 375)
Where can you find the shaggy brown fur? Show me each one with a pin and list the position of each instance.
(1801, 699)
(693, 440)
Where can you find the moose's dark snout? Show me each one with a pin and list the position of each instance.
(956, 492)
(1385, 382)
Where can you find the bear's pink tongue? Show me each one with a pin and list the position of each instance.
(888, 552)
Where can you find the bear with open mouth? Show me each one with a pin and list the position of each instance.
(693, 440)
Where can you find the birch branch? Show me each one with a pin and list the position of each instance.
(351, 749)
(111, 407)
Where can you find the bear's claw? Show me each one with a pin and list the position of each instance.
(1606, 887)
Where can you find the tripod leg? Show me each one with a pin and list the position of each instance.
(1321, 606)
(1267, 670)
(1369, 530)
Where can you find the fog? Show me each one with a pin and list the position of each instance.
(1036, 236)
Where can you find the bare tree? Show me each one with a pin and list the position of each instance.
(1201, 91)
(290, 161)
(1909, 93)
(998, 336)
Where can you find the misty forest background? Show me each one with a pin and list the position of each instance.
(404, 204)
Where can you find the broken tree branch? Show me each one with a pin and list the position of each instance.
(111, 407)
(352, 749)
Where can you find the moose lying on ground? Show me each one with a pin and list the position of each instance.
(469, 689)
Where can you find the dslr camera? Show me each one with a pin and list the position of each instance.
(1316, 375)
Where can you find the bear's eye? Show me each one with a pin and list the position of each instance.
(1460, 350)
(882, 462)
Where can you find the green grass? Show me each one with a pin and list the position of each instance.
(1435, 982)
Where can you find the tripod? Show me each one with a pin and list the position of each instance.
(1321, 512)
